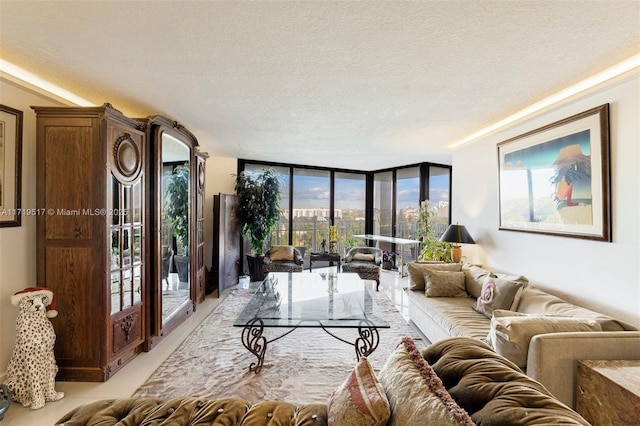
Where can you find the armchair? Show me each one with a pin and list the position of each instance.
(282, 259)
(365, 261)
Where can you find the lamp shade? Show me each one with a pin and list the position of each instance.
(457, 234)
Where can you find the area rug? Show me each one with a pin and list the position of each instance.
(302, 367)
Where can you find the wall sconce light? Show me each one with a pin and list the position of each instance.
(457, 234)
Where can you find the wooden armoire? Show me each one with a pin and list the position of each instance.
(91, 183)
(123, 275)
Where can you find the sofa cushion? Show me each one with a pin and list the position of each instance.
(511, 332)
(534, 301)
(455, 315)
(135, 411)
(492, 389)
(416, 272)
(498, 293)
(364, 257)
(280, 253)
(474, 278)
(191, 411)
(415, 392)
(360, 400)
(444, 283)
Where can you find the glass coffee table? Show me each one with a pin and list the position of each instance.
(315, 300)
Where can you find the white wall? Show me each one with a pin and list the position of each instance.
(599, 275)
(18, 244)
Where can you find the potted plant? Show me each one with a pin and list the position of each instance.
(257, 211)
(177, 211)
(388, 259)
(349, 244)
(432, 248)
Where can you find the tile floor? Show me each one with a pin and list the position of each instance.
(127, 380)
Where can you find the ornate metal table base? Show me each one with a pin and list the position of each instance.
(256, 343)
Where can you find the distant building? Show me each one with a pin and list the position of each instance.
(317, 212)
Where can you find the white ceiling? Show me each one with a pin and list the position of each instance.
(353, 84)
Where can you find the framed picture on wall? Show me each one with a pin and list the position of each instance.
(10, 166)
(556, 179)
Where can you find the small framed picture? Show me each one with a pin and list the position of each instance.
(10, 166)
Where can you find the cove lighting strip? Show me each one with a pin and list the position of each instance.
(614, 71)
(39, 83)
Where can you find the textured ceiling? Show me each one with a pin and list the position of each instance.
(349, 84)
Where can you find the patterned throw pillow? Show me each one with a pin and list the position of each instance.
(444, 283)
(416, 394)
(498, 293)
(416, 272)
(281, 253)
(511, 332)
(360, 400)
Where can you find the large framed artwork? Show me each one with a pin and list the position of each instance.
(10, 166)
(556, 179)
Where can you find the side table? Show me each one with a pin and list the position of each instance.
(608, 391)
(324, 257)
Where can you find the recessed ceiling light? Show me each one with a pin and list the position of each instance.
(614, 71)
(24, 76)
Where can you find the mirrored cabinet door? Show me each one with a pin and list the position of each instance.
(172, 286)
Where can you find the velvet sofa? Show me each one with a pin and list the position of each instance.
(543, 334)
(458, 381)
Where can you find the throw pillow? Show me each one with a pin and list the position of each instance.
(474, 278)
(416, 393)
(511, 332)
(444, 283)
(360, 400)
(416, 272)
(364, 257)
(498, 293)
(277, 253)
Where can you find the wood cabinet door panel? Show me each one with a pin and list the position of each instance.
(68, 158)
(80, 324)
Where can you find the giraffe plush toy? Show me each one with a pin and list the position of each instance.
(32, 370)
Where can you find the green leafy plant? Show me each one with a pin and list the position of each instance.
(177, 204)
(350, 243)
(258, 206)
(432, 247)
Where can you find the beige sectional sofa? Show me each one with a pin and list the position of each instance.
(543, 334)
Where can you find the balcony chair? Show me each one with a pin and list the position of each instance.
(282, 259)
(365, 261)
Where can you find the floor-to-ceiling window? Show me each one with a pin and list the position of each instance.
(349, 211)
(280, 234)
(382, 202)
(407, 202)
(311, 208)
(439, 188)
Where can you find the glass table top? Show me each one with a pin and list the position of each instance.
(286, 299)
